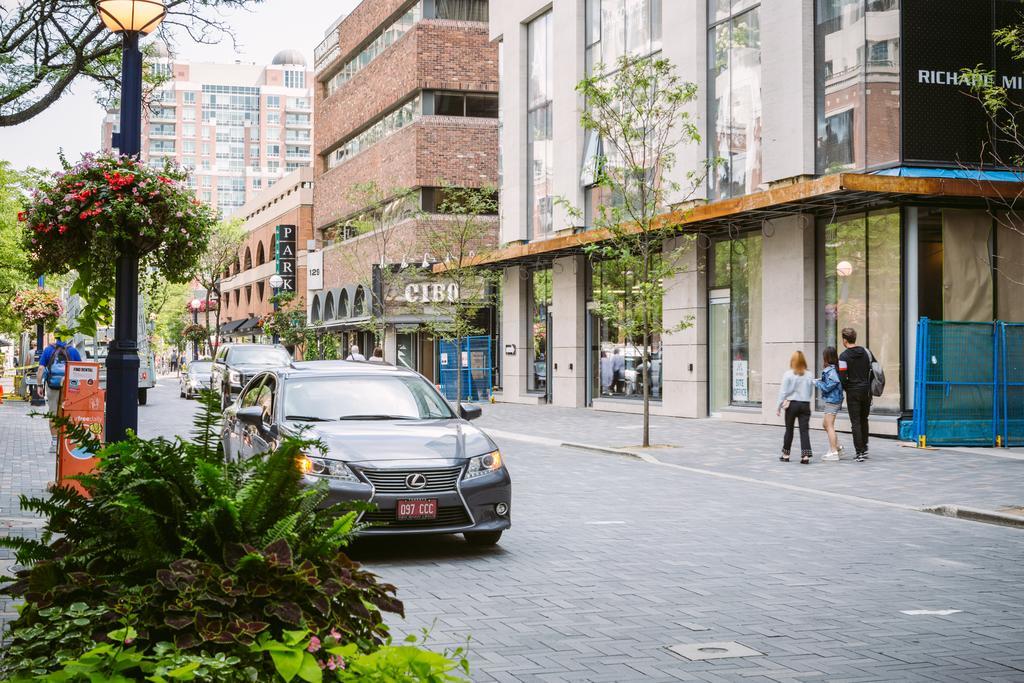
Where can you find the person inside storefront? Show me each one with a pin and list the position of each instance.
(618, 372)
(377, 356)
(353, 353)
(607, 374)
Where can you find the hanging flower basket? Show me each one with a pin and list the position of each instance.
(35, 306)
(82, 218)
(196, 334)
(204, 306)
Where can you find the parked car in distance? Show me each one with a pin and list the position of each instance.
(389, 438)
(235, 364)
(195, 377)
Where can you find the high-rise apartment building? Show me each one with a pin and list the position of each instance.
(240, 127)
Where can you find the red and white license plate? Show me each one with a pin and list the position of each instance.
(416, 509)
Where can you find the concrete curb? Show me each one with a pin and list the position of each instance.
(976, 515)
(601, 449)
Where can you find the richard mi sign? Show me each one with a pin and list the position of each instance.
(942, 122)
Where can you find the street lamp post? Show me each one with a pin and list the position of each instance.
(39, 396)
(195, 305)
(275, 285)
(132, 19)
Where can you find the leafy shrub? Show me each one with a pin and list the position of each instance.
(195, 556)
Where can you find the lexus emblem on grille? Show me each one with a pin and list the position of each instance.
(416, 481)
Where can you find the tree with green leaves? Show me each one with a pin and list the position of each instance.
(15, 268)
(47, 45)
(376, 240)
(221, 252)
(639, 111)
(1003, 149)
(460, 237)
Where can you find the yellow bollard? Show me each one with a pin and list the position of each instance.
(922, 441)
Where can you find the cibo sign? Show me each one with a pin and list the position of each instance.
(431, 292)
(942, 120)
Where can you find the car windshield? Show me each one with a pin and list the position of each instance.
(254, 355)
(199, 367)
(363, 397)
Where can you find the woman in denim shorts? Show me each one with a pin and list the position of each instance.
(832, 393)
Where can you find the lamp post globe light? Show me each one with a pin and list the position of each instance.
(132, 19)
(275, 284)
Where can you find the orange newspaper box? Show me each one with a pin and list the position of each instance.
(81, 401)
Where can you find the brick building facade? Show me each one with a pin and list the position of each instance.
(245, 291)
(406, 96)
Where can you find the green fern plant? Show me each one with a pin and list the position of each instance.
(162, 508)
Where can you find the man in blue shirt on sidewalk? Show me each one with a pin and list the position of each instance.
(51, 376)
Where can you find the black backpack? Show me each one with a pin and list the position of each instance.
(876, 375)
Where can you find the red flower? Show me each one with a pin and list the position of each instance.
(63, 229)
(23, 216)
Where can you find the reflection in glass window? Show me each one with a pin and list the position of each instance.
(857, 74)
(539, 124)
(617, 28)
(540, 310)
(859, 258)
(618, 369)
(734, 100)
(387, 37)
(736, 321)
(388, 124)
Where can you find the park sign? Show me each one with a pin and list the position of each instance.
(943, 123)
(285, 256)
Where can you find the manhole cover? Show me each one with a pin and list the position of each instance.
(699, 651)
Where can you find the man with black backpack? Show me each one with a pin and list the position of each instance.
(52, 367)
(861, 376)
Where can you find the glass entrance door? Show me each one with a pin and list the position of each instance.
(719, 340)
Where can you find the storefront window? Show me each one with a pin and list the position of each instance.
(540, 328)
(857, 78)
(618, 369)
(540, 128)
(859, 257)
(735, 322)
(734, 84)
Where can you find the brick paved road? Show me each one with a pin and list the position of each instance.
(611, 560)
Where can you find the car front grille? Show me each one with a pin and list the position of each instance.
(446, 517)
(396, 481)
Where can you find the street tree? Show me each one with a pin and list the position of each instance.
(15, 269)
(47, 45)
(377, 239)
(637, 112)
(461, 237)
(221, 252)
(1004, 148)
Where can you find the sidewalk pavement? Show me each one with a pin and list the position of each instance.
(895, 475)
(27, 465)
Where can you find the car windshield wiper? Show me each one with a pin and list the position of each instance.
(377, 417)
(307, 418)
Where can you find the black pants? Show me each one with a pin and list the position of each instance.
(858, 404)
(798, 410)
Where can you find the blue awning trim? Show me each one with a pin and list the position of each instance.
(953, 173)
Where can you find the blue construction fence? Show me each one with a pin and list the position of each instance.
(969, 383)
(472, 357)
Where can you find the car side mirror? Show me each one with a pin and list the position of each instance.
(253, 416)
(470, 412)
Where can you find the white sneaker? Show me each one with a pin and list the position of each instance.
(841, 452)
(831, 456)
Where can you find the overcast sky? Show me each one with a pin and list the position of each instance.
(74, 122)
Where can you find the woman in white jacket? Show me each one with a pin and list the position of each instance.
(795, 396)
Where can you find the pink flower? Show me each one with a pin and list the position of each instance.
(314, 644)
(335, 662)
(334, 634)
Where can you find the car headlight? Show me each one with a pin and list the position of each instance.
(234, 377)
(326, 468)
(483, 464)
